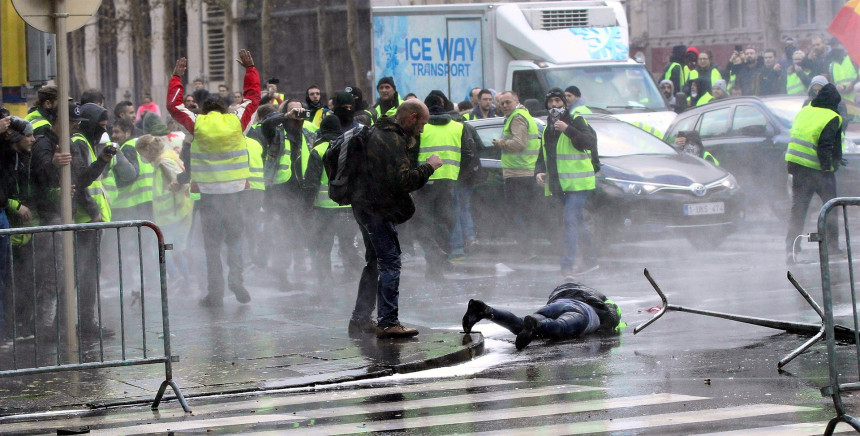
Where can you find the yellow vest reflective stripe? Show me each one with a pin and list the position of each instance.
(445, 141)
(805, 131)
(668, 76)
(575, 171)
(255, 164)
(706, 155)
(844, 73)
(705, 99)
(526, 159)
(218, 152)
(138, 192)
(323, 200)
(285, 169)
(170, 208)
(793, 85)
(37, 119)
(96, 190)
(648, 128)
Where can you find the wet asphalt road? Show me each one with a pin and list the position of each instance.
(685, 374)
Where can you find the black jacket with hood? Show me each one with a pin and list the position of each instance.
(85, 171)
(607, 311)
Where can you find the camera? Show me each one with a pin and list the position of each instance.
(111, 149)
(739, 48)
(301, 112)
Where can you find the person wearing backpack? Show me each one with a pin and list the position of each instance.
(382, 180)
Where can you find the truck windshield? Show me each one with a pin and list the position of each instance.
(613, 89)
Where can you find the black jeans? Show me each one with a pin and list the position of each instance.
(328, 223)
(560, 319)
(805, 183)
(222, 224)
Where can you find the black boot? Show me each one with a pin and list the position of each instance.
(530, 327)
(476, 311)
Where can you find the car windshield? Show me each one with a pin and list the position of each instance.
(785, 109)
(622, 139)
(615, 89)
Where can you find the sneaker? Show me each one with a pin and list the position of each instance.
(457, 258)
(357, 327)
(476, 311)
(211, 301)
(241, 294)
(395, 331)
(528, 332)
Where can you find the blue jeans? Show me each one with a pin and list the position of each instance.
(4, 269)
(463, 232)
(380, 279)
(558, 320)
(575, 230)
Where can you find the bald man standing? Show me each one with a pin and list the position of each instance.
(380, 200)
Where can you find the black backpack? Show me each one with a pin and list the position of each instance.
(341, 161)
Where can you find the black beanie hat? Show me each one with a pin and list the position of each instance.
(435, 104)
(555, 92)
(360, 104)
(330, 125)
(18, 129)
(387, 79)
(341, 98)
(573, 90)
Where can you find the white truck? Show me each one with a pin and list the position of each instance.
(525, 47)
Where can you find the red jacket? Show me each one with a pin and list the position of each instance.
(186, 117)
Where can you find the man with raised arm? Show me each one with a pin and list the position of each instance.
(220, 172)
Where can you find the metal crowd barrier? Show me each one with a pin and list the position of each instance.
(837, 386)
(47, 269)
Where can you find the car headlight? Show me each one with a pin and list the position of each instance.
(729, 182)
(635, 188)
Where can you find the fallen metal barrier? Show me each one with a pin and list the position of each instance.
(817, 331)
(41, 248)
(836, 387)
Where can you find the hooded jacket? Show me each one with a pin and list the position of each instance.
(830, 139)
(329, 130)
(86, 170)
(676, 72)
(607, 311)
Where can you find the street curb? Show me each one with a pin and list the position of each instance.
(470, 350)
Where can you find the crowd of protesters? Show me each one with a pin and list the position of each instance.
(791, 71)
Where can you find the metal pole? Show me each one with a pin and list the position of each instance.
(71, 303)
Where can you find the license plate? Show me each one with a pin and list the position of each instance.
(704, 208)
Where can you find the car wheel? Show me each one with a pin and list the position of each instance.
(709, 238)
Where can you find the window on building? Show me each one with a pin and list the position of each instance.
(737, 20)
(805, 12)
(673, 15)
(705, 14)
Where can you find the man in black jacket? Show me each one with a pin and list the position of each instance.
(380, 200)
(572, 310)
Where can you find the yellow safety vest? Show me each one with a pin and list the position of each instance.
(526, 159)
(445, 141)
(668, 75)
(322, 199)
(706, 155)
(805, 132)
(844, 73)
(218, 151)
(170, 209)
(375, 115)
(285, 170)
(96, 190)
(582, 109)
(715, 75)
(705, 99)
(575, 171)
(255, 164)
(793, 84)
(135, 193)
(37, 119)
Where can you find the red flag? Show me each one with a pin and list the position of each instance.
(846, 28)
